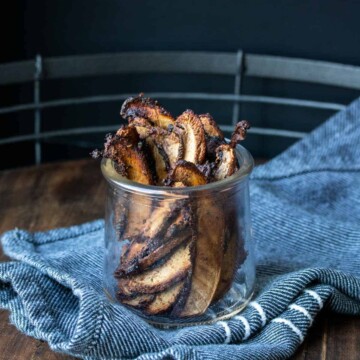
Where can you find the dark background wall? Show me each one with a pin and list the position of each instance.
(324, 30)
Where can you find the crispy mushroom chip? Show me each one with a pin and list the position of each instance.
(146, 108)
(225, 163)
(189, 126)
(126, 151)
(188, 174)
(208, 259)
(210, 126)
(161, 277)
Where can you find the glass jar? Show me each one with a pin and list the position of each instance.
(179, 256)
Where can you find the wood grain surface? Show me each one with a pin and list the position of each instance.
(69, 193)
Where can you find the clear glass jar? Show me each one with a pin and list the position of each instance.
(179, 256)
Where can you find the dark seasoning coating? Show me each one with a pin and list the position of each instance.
(157, 149)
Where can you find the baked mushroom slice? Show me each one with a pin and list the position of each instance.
(179, 232)
(147, 108)
(208, 259)
(137, 211)
(143, 127)
(240, 132)
(130, 160)
(172, 145)
(187, 173)
(145, 234)
(165, 300)
(160, 160)
(229, 267)
(189, 126)
(166, 146)
(225, 163)
(214, 136)
(138, 301)
(210, 126)
(161, 277)
(161, 218)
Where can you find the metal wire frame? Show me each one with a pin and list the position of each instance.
(231, 64)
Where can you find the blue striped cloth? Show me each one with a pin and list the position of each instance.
(306, 219)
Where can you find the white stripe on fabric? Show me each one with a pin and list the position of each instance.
(316, 296)
(227, 331)
(246, 325)
(294, 328)
(302, 310)
(260, 310)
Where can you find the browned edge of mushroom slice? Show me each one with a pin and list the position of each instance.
(240, 132)
(229, 267)
(160, 277)
(130, 161)
(208, 259)
(149, 237)
(210, 126)
(160, 160)
(143, 127)
(165, 300)
(147, 108)
(214, 136)
(137, 211)
(179, 232)
(138, 302)
(189, 126)
(226, 162)
(172, 145)
(187, 173)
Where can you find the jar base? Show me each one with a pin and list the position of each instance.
(180, 323)
(210, 317)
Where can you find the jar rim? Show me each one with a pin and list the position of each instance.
(113, 177)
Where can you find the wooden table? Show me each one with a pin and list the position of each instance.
(69, 193)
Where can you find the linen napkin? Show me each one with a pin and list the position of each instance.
(306, 220)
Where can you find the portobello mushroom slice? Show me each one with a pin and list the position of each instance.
(172, 145)
(189, 126)
(179, 232)
(187, 173)
(226, 162)
(147, 108)
(146, 234)
(166, 146)
(240, 132)
(142, 126)
(130, 160)
(208, 259)
(161, 277)
(160, 159)
(229, 267)
(210, 126)
(165, 300)
(138, 210)
(161, 218)
(138, 302)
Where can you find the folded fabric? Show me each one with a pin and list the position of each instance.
(306, 219)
